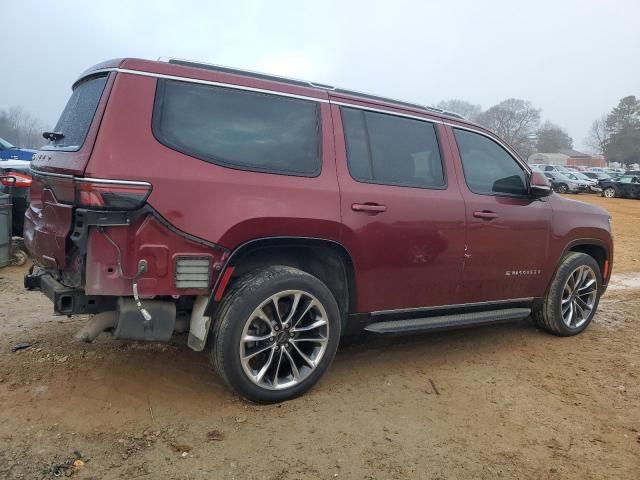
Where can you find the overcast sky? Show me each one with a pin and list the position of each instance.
(572, 59)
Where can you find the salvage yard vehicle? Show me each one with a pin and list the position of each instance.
(592, 185)
(566, 182)
(625, 186)
(269, 217)
(17, 184)
(11, 152)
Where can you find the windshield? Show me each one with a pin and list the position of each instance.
(76, 118)
(4, 144)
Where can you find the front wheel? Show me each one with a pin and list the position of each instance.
(276, 333)
(573, 296)
(609, 192)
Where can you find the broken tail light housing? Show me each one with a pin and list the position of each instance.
(92, 193)
(105, 194)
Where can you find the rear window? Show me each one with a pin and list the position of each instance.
(239, 129)
(76, 118)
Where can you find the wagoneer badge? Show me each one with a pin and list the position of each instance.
(519, 273)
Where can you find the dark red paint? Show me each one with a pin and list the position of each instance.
(410, 247)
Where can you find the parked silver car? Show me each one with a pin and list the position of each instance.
(562, 183)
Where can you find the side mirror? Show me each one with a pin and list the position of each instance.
(539, 185)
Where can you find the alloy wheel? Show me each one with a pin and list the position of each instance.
(609, 192)
(579, 296)
(284, 340)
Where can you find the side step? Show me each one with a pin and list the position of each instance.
(418, 325)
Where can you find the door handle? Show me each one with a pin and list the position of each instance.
(372, 208)
(485, 214)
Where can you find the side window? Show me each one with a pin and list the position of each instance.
(237, 128)
(392, 150)
(488, 168)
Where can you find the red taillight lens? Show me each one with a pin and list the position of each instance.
(111, 194)
(16, 179)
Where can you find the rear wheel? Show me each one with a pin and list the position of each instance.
(562, 188)
(276, 333)
(573, 296)
(609, 192)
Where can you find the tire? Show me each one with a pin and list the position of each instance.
(609, 192)
(285, 338)
(562, 188)
(19, 258)
(582, 270)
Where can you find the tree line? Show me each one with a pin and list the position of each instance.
(516, 121)
(20, 128)
(615, 135)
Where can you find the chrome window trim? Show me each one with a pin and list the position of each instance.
(525, 166)
(178, 78)
(436, 121)
(388, 112)
(446, 307)
(206, 82)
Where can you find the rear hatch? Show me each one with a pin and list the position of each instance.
(49, 219)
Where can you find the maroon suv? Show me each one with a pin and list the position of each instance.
(268, 217)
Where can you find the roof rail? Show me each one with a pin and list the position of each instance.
(302, 83)
(246, 73)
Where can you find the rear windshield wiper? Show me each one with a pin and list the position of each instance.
(53, 136)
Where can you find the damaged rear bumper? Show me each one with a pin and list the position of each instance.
(67, 300)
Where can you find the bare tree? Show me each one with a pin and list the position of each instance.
(599, 136)
(20, 128)
(514, 120)
(551, 139)
(461, 107)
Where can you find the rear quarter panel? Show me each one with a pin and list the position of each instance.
(218, 204)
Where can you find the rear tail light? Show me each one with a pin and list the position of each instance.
(111, 194)
(16, 179)
(94, 193)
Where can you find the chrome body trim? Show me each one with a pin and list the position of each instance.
(523, 164)
(111, 182)
(50, 174)
(386, 111)
(509, 150)
(90, 180)
(207, 82)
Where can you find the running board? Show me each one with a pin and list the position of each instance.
(418, 325)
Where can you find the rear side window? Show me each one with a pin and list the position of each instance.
(77, 116)
(488, 168)
(392, 150)
(238, 128)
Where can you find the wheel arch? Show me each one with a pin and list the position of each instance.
(326, 259)
(595, 248)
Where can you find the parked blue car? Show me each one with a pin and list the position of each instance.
(9, 152)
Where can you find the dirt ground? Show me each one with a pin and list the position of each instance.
(505, 401)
